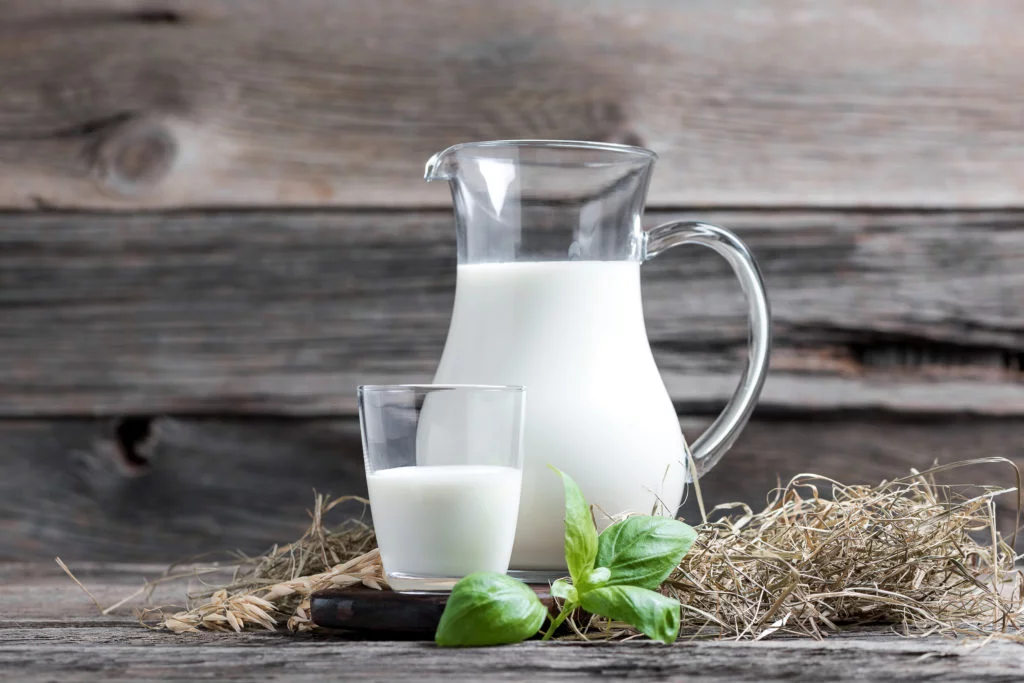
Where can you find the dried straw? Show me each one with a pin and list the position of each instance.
(910, 552)
(274, 588)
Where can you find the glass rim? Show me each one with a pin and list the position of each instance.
(425, 388)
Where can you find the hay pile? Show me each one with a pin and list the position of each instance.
(909, 552)
(820, 556)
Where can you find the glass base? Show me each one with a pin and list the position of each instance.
(416, 583)
(538, 576)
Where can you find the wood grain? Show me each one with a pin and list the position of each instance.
(43, 654)
(132, 103)
(39, 642)
(69, 654)
(39, 594)
(286, 312)
(171, 488)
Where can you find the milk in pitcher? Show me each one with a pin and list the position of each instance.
(573, 333)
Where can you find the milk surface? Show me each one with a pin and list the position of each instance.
(444, 521)
(573, 333)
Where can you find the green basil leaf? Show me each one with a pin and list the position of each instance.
(580, 533)
(653, 614)
(564, 590)
(487, 608)
(643, 550)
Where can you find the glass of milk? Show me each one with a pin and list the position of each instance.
(444, 470)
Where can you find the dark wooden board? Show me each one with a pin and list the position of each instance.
(371, 612)
(368, 612)
(170, 488)
(50, 632)
(286, 312)
(130, 103)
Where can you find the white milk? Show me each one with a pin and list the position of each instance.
(573, 333)
(444, 521)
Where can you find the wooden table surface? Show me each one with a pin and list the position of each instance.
(49, 631)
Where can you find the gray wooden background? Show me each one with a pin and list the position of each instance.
(212, 227)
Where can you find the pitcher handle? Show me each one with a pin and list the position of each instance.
(720, 436)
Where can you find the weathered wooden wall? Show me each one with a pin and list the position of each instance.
(164, 103)
(212, 227)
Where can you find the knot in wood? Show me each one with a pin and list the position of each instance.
(135, 157)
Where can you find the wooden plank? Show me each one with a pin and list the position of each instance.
(864, 449)
(126, 103)
(70, 654)
(40, 595)
(285, 313)
(49, 631)
(167, 489)
(39, 641)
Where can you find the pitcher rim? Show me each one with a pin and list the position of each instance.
(563, 144)
(433, 164)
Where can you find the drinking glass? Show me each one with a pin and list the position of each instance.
(444, 473)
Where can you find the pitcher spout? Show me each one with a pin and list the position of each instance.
(441, 165)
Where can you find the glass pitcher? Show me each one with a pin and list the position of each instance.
(547, 296)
